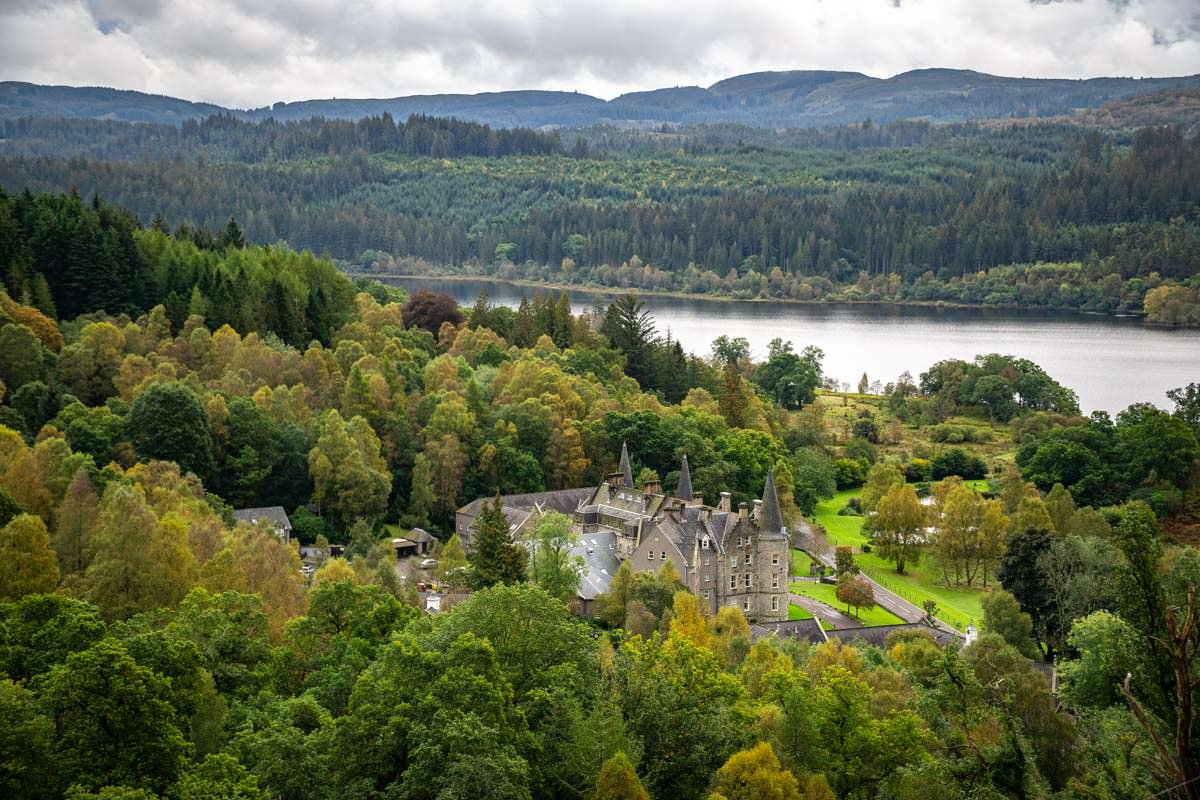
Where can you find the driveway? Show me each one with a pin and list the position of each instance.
(823, 612)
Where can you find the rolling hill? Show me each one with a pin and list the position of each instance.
(797, 98)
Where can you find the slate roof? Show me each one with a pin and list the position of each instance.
(769, 516)
(599, 553)
(274, 514)
(803, 629)
(683, 490)
(877, 634)
(626, 471)
(564, 501)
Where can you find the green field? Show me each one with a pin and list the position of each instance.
(827, 594)
(958, 606)
(800, 562)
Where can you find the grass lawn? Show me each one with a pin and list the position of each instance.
(841, 530)
(959, 606)
(827, 594)
(796, 612)
(800, 562)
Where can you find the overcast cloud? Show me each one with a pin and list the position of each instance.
(254, 52)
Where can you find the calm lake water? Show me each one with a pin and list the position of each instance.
(1109, 362)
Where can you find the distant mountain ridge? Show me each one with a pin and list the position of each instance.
(796, 98)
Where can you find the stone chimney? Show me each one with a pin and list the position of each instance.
(726, 500)
(697, 499)
(757, 514)
(615, 480)
(652, 487)
(743, 511)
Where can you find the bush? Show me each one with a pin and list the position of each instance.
(919, 469)
(957, 461)
(849, 473)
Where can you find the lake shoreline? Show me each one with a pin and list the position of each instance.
(593, 289)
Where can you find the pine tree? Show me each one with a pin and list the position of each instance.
(495, 558)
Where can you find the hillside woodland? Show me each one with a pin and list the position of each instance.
(149, 648)
(1034, 215)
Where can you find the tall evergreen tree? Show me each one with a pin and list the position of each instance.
(494, 557)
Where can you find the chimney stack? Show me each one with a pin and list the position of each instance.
(697, 499)
(652, 487)
(725, 504)
(743, 511)
(757, 510)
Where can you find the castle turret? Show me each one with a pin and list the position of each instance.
(626, 470)
(770, 518)
(684, 489)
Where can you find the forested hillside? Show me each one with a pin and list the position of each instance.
(151, 647)
(1045, 216)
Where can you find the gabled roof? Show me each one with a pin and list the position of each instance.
(562, 500)
(273, 514)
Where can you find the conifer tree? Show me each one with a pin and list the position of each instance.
(495, 558)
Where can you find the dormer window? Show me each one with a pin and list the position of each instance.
(704, 543)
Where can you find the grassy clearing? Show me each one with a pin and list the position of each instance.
(959, 606)
(801, 562)
(827, 594)
(841, 530)
(796, 612)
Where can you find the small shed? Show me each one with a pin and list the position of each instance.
(274, 516)
(416, 543)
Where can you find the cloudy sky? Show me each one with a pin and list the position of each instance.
(254, 52)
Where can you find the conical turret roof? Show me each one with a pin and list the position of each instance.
(626, 470)
(683, 489)
(770, 518)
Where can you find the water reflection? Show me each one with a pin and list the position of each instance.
(1109, 362)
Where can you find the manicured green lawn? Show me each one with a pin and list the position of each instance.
(800, 562)
(959, 606)
(796, 612)
(827, 594)
(840, 530)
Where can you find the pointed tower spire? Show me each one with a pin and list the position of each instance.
(626, 471)
(684, 489)
(769, 516)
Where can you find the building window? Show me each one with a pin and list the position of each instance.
(774, 581)
(706, 594)
(733, 581)
(749, 559)
(774, 559)
(662, 556)
(733, 562)
(704, 543)
(774, 603)
(746, 604)
(746, 580)
(707, 578)
(650, 555)
(708, 562)
(740, 541)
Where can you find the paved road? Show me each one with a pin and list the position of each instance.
(805, 538)
(827, 613)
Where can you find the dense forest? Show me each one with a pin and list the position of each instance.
(1033, 215)
(151, 647)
